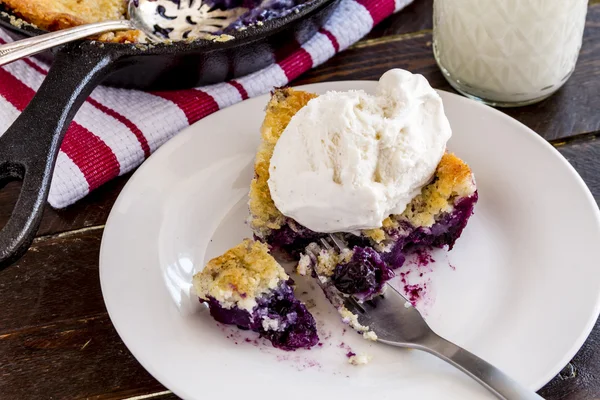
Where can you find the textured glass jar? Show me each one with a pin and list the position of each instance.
(508, 52)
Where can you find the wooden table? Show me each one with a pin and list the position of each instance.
(56, 340)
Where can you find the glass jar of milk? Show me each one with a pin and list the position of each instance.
(508, 52)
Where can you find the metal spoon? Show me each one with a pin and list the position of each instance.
(159, 20)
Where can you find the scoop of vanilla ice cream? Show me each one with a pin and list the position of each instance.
(347, 160)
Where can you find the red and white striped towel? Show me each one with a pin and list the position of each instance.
(103, 143)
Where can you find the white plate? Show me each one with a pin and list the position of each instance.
(524, 293)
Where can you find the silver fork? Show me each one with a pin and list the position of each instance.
(397, 323)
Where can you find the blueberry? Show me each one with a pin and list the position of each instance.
(365, 273)
(355, 277)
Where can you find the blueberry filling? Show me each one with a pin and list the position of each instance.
(258, 10)
(364, 274)
(292, 242)
(278, 316)
(444, 232)
(447, 228)
(368, 269)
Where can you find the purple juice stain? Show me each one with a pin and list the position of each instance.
(423, 257)
(413, 292)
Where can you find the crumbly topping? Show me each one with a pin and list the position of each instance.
(453, 178)
(327, 260)
(303, 265)
(123, 37)
(221, 38)
(14, 21)
(280, 110)
(377, 235)
(240, 275)
(270, 324)
(360, 359)
(352, 319)
(61, 14)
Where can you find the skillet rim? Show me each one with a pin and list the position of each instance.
(241, 38)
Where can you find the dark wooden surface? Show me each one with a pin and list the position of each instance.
(56, 340)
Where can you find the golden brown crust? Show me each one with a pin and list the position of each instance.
(122, 37)
(284, 104)
(54, 15)
(241, 274)
(452, 178)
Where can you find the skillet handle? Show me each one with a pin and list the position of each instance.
(29, 148)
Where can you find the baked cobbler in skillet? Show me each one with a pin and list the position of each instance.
(54, 15)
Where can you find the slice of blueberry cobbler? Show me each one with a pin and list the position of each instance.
(246, 287)
(436, 217)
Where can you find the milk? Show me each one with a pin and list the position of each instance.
(508, 52)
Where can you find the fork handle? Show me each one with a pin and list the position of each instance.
(496, 381)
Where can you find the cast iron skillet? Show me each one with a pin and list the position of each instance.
(29, 148)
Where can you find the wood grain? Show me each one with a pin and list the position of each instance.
(92, 211)
(55, 281)
(56, 340)
(415, 17)
(71, 360)
(584, 155)
(579, 379)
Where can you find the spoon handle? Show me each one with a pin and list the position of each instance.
(496, 381)
(27, 47)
